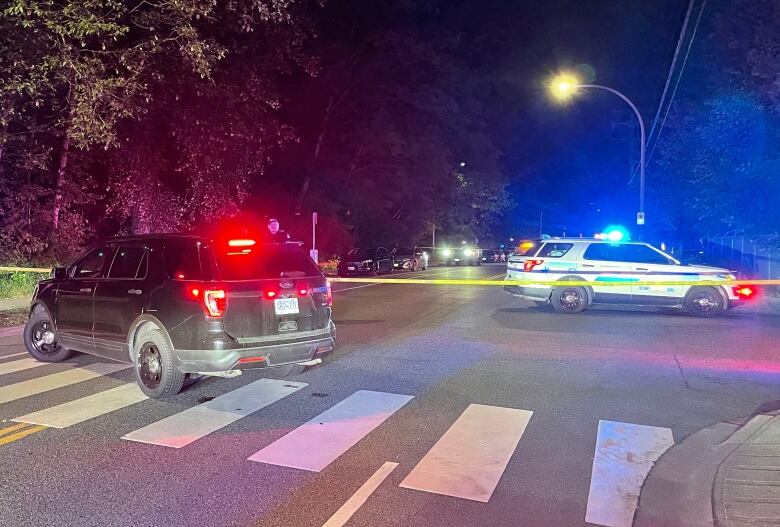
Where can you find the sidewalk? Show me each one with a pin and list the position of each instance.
(725, 476)
(13, 304)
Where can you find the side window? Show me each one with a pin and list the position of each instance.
(381, 252)
(606, 252)
(94, 264)
(182, 262)
(555, 250)
(645, 254)
(127, 261)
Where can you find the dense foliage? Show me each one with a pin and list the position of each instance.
(122, 116)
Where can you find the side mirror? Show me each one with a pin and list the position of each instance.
(60, 273)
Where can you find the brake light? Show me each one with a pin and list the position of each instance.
(241, 243)
(215, 302)
(195, 292)
(303, 291)
(745, 292)
(270, 294)
(530, 264)
(328, 294)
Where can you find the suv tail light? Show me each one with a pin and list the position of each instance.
(215, 302)
(745, 292)
(328, 294)
(531, 263)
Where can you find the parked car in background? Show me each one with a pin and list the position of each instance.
(465, 255)
(411, 259)
(365, 260)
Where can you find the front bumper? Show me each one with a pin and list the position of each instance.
(250, 356)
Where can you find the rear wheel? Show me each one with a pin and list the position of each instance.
(704, 302)
(40, 338)
(155, 367)
(569, 299)
(288, 370)
(415, 265)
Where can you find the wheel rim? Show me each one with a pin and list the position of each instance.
(570, 299)
(43, 338)
(705, 302)
(150, 365)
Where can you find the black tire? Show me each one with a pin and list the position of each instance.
(704, 302)
(375, 271)
(154, 365)
(415, 266)
(288, 370)
(569, 299)
(40, 338)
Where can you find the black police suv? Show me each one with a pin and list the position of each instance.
(173, 305)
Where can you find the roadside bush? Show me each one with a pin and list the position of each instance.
(13, 284)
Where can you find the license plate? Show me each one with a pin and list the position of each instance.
(350, 268)
(286, 306)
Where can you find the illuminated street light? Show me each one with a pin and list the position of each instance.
(565, 85)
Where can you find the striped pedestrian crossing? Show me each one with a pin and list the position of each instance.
(85, 408)
(183, 428)
(19, 365)
(468, 461)
(316, 444)
(20, 390)
(470, 458)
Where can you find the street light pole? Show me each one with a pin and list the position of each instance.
(642, 138)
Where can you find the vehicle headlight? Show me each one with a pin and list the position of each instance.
(368, 261)
(467, 252)
(447, 252)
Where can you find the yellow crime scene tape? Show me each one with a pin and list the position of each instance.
(24, 270)
(553, 283)
(463, 281)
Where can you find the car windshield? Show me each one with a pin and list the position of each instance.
(361, 253)
(266, 261)
(404, 250)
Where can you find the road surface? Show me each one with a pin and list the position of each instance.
(443, 406)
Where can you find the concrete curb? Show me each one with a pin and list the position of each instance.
(678, 490)
(13, 330)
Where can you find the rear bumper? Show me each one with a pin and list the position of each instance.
(269, 355)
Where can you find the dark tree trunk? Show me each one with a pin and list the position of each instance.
(58, 189)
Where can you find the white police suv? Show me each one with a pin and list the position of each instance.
(596, 262)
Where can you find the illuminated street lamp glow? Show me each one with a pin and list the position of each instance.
(563, 86)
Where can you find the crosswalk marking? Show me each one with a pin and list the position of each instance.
(317, 443)
(470, 458)
(73, 412)
(183, 428)
(351, 506)
(625, 453)
(23, 389)
(19, 365)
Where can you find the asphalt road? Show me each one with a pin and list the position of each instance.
(463, 354)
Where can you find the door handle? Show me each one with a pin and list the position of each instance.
(85, 290)
(134, 291)
(588, 265)
(642, 269)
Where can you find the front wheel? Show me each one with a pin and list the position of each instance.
(704, 302)
(569, 299)
(155, 367)
(40, 338)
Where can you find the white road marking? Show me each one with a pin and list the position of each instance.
(14, 355)
(24, 389)
(183, 428)
(19, 365)
(351, 506)
(470, 458)
(74, 412)
(314, 445)
(625, 453)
